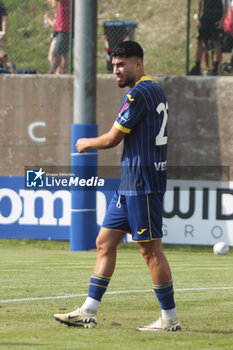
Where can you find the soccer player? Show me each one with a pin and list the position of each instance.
(136, 206)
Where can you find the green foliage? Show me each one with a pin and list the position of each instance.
(44, 269)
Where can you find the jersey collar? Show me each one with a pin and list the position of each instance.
(143, 78)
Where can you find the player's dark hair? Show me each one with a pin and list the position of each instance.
(127, 49)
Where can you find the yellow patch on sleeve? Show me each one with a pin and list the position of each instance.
(121, 128)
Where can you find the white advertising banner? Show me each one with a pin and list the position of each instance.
(198, 212)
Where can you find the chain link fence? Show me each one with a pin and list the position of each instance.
(160, 31)
(39, 35)
(211, 37)
(159, 26)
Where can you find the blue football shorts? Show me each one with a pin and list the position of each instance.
(140, 215)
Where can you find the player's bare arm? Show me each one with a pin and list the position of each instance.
(108, 140)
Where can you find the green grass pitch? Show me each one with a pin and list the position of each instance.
(202, 280)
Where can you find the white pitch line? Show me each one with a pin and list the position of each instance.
(111, 293)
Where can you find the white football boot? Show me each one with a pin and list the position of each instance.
(78, 318)
(162, 324)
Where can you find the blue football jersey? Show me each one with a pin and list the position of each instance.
(143, 116)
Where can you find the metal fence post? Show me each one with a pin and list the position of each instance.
(188, 36)
(83, 229)
(71, 36)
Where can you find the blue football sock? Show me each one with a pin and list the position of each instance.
(165, 295)
(98, 286)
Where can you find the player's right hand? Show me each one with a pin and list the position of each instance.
(82, 145)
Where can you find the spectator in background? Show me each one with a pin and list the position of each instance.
(228, 29)
(51, 22)
(6, 66)
(3, 23)
(228, 23)
(211, 15)
(209, 46)
(61, 50)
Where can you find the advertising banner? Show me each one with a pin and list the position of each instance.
(195, 212)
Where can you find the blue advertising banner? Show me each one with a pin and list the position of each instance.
(195, 212)
(40, 213)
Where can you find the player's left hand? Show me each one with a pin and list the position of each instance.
(82, 145)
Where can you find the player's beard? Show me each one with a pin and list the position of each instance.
(126, 81)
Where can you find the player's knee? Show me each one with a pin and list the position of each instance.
(99, 242)
(151, 254)
(102, 246)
